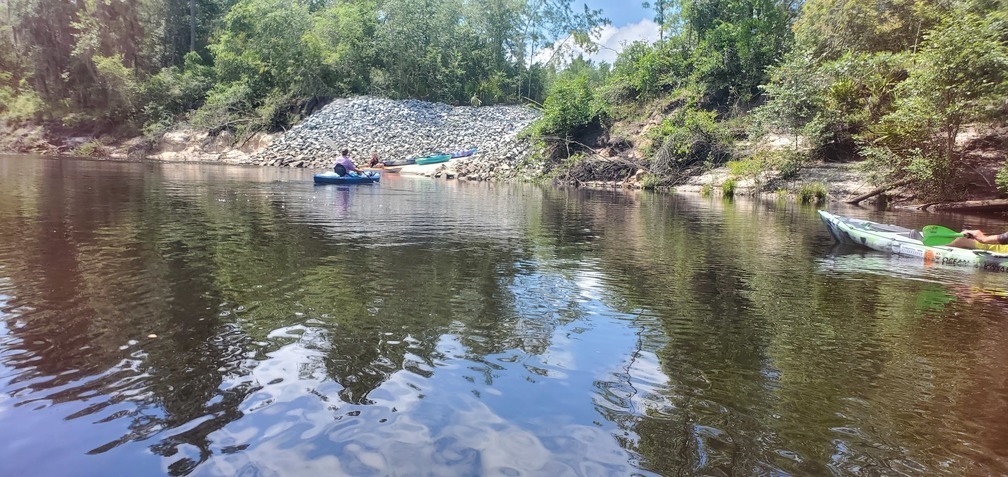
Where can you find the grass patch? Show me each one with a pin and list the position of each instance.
(728, 187)
(90, 149)
(707, 190)
(649, 181)
(812, 193)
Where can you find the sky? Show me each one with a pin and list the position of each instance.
(630, 22)
(619, 12)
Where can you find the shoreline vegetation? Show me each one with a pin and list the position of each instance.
(894, 101)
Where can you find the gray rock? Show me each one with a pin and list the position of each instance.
(409, 128)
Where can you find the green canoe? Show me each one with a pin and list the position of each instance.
(433, 159)
(907, 242)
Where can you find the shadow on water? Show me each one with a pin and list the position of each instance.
(215, 321)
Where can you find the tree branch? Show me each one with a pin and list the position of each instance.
(878, 191)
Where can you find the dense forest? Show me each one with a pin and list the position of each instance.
(893, 82)
(260, 64)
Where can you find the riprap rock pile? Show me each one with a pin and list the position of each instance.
(400, 129)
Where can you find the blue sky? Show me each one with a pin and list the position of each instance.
(620, 12)
(630, 22)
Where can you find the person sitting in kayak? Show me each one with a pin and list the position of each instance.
(375, 163)
(981, 241)
(344, 165)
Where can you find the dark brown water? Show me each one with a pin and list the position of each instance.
(423, 327)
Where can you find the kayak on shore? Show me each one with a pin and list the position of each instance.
(462, 153)
(433, 159)
(908, 243)
(333, 178)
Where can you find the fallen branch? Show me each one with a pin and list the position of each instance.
(878, 191)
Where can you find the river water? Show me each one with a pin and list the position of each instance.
(214, 320)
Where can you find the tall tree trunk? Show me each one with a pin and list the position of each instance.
(192, 25)
(13, 30)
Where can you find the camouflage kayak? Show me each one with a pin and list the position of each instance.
(907, 242)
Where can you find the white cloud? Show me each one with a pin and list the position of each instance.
(610, 41)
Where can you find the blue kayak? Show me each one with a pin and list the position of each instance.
(333, 178)
(463, 153)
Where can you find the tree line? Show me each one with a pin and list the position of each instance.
(248, 65)
(894, 82)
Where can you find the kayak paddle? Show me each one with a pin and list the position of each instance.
(937, 235)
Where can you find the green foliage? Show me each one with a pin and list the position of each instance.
(642, 71)
(663, 10)
(687, 137)
(761, 166)
(172, 93)
(752, 167)
(343, 35)
(266, 59)
(706, 190)
(120, 86)
(961, 75)
(264, 52)
(829, 104)
(570, 106)
(813, 193)
(788, 163)
(1002, 178)
(832, 28)
(650, 181)
(728, 187)
(18, 105)
(737, 41)
(227, 108)
(90, 149)
(794, 94)
(860, 90)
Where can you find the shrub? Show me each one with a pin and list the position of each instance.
(689, 136)
(570, 106)
(173, 92)
(789, 163)
(728, 187)
(20, 105)
(226, 107)
(90, 149)
(649, 181)
(752, 168)
(756, 167)
(644, 71)
(121, 87)
(1002, 178)
(707, 190)
(813, 193)
(959, 76)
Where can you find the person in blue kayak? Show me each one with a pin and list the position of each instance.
(344, 165)
(981, 241)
